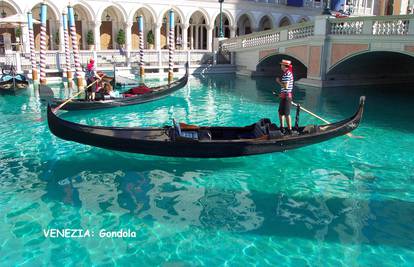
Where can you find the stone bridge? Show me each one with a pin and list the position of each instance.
(331, 51)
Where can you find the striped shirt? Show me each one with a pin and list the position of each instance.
(287, 78)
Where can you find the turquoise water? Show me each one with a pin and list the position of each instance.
(345, 202)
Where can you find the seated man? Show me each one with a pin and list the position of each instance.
(109, 91)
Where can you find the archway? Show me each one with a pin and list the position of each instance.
(149, 23)
(84, 23)
(112, 23)
(52, 28)
(265, 23)
(270, 66)
(378, 65)
(244, 25)
(226, 26)
(178, 30)
(285, 21)
(197, 32)
(303, 19)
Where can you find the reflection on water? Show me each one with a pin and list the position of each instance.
(350, 200)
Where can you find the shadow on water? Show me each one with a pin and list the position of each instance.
(175, 193)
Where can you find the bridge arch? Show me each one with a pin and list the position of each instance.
(373, 65)
(269, 65)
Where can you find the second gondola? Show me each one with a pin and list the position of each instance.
(151, 94)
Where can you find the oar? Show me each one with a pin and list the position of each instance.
(318, 117)
(75, 95)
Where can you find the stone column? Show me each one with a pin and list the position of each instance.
(232, 32)
(185, 36)
(157, 36)
(97, 35)
(25, 38)
(201, 37)
(196, 38)
(210, 37)
(321, 29)
(192, 37)
(128, 36)
(61, 37)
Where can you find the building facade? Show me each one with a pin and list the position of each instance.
(196, 22)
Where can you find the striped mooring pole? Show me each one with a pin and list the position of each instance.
(67, 51)
(32, 46)
(76, 58)
(43, 17)
(171, 47)
(141, 45)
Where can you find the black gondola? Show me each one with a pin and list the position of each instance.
(11, 82)
(201, 142)
(154, 94)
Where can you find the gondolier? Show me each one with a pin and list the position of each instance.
(91, 75)
(286, 87)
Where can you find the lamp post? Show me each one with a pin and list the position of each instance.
(221, 34)
(326, 9)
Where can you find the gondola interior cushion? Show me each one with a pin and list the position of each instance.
(185, 134)
(261, 128)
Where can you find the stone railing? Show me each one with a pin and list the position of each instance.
(346, 26)
(257, 39)
(375, 25)
(261, 40)
(394, 26)
(107, 59)
(372, 25)
(301, 30)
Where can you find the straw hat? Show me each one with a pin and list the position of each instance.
(286, 62)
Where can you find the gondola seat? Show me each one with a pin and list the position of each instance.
(274, 131)
(185, 134)
(310, 129)
(204, 135)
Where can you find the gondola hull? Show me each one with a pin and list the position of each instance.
(155, 94)
(160, 141)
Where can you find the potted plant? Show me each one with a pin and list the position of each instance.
(150, 39)
(120, 39)
(90, 40)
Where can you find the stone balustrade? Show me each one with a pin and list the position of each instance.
(107, 59)
(257, 39)
(373, 25)
(384, 25)
(301, 30)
